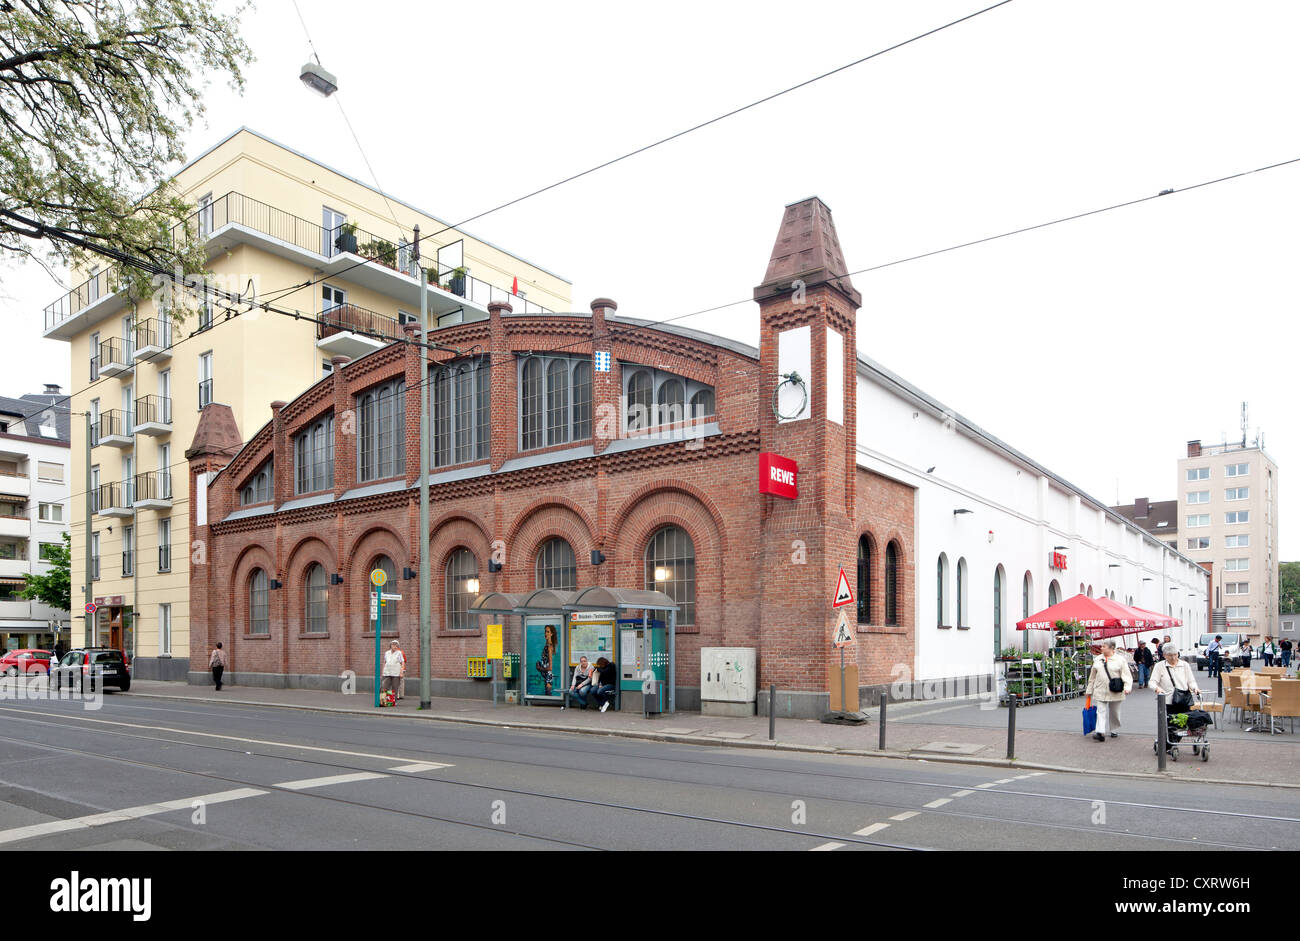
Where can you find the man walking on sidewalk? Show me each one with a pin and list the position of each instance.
(1146, 660)
(1213, 651)
(217, 662)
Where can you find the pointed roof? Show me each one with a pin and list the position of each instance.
(807, 249)
(217, 433)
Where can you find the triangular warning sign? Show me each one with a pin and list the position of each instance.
(843, 636)
(843, 593)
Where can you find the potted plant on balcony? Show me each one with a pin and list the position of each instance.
(458, 276)
(382, 251)
(346, 240)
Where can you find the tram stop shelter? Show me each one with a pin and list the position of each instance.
(559, 626)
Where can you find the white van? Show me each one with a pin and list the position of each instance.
(1231, 650)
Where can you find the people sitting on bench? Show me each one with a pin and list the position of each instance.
(603, 679)
(580, 687)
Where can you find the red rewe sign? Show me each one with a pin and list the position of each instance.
(778, 476)
(1058, 561)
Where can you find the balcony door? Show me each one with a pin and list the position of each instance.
(331, 222)
(331, 297)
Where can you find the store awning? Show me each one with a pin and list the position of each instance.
(13, 498)
(1100, 617)
(18, 582)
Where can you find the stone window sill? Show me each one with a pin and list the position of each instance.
(881, 629)
(266, 636)
(307, 635)
(945, 627)
(963, 627)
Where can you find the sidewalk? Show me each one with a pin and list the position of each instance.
(1048, 735)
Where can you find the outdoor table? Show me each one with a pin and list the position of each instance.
(1248, 691)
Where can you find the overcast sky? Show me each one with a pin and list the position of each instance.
(1098, 347)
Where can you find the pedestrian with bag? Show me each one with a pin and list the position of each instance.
(1269, 650)
(394, 663)
(1108, 683)
(1146, 662)
(1286, 652)
(1214, 651)
(217, 663)
(1175, 676)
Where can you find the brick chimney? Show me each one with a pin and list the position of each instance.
(1141, 507)
(1194, 448)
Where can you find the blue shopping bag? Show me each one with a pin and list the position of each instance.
(1089, 720)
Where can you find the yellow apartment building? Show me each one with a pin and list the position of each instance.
(282, 227)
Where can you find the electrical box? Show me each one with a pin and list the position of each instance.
(479, 668)
(728, 680)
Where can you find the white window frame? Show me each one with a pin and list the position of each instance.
(1236, 493)
(1198, 496)
(1198, 520)
(1197, 474)
(94, 356)
(1242, 517)
(44, 518)
(1237, 470)
(205, 375)
(1198, 548)
(1236, 565)
(164, 630)
(1236, 588)
(1239, 541)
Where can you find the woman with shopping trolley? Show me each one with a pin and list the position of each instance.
(1175, 678)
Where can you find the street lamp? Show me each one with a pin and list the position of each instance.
(661, 574)
(472, 585)
(318, 80)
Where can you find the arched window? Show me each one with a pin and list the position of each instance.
(941, 578)
(998, 576)
(314, 457)
(556, 566)
(582, 400)
(1026, 594)
(891, 583)
(1089, 590)
(1053, 593)
(534, 430)
(259, 618)
(864, 580)
(557, 401)
(387, 610)
(672, 402)
(703, 405)
(640, 389)
(317, 601)
(258, 489)
(442, 405)
(462, 569)
(963, 592)
(381, 420)
(670, 568)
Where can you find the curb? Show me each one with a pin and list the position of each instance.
(733, 743)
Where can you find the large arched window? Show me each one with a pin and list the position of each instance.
(461, 589)
(314, 457)
(670, 568)
(1053, 593)
(381, 422)
(317, 601)
(259, 617)
(556, 566)
(891, 583)
(258, 489)
(582, 399)
(864, 580)
(387, 609)
(672, 401)
(963, 594)
(998, 577)
(703, 404)
(941, 580)
(554, 401)
(557, 401)
(640, 389)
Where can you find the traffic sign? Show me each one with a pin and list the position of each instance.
(387, 597)
(843, 591)
(843, 636)
(378, 577)
(91, 607)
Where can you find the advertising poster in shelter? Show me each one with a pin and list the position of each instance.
(543, 663)
(591, 635)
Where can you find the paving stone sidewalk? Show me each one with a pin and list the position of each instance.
(1048, 735)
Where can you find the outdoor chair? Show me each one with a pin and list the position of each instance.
(1282, 702)
(1213, 707)
(1233, 697)
(1271, 671)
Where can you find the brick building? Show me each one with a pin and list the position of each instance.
(552, 435)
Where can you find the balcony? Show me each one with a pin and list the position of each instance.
(14, 568)
(353, 331)
(115, 429)
(115, 357)
(153, 490)
(153, 340)
(114, 500)
(153, 415)
(236, 218)
(16, 486)
(19, 526)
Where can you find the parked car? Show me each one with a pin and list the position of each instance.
(25, 661)
(1231, 650)
(86, 663)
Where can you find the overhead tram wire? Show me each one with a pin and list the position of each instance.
(664, 140)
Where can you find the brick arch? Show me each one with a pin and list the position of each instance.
(238, 617)
(455, 531)
(303, 655)
(383, 533)
(548, 520)
(453, 515)
(526, 516)
(359, 638)
(303, 551)
(631, 504)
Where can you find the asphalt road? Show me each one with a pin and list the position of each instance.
(150, 774)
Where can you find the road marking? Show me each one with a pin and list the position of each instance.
(990, 784)
(419, 766)
(229, 738)
(939, 803)
(826, 847)
(128, 813)
(905, 815)
(1004, 781)
(874, 828)
(962, 793)
(332, 779)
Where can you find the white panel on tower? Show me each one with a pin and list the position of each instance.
(834, 376)
(794, 355)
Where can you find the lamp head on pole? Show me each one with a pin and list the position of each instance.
(318, 80)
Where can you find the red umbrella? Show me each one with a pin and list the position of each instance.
(1162, 620)
(1101, 617)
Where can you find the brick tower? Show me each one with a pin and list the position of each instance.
(808, 310)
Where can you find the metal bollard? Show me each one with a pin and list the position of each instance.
(884, 701)
(771, 713)
(1162, 733)
(1012, 699)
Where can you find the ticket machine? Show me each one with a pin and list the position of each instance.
(642, 646)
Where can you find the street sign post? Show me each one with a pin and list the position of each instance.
(377, 578)
(495, 651)
(843, 591)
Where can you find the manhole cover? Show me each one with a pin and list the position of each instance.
(949, 748)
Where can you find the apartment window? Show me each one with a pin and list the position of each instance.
(941, 580)
(318, 601)
(1237, 516)
(1198, 473)
(331, 225)
(1236, 565)
(49, 550)
(963, 620)
(1236, 588)
(1239, 611)
(164, 545)
(1237, 493)
(403, 318)
(94, 423)
(556, 566)
(314, 457)
(12, 510)
(1201, 519)
(93, 496)
(660, 398)
(670, 568)
(461, 567)
(205, 379)
(381, 423)
(461, 411)
(259, 616)
(165, 630)
(258, 490)
(555, 400)
(331, 297)
(8, 551)
(94, 356)
(128, 550)
(205, 215)
(1237, 542)
(50, 513)
(326, 367)
(1199, 542)
(1199, 496)
(94, 556)
(49, 472)
(1237, 470)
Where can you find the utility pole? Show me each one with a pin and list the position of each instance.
(426, 578)
(90, 582)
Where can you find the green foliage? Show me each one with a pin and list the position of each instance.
(1288, 587)
(54, 588)
(381, 251)
(94, 98)
(1179, 720)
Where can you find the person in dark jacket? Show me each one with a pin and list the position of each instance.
(605, 675)
(1146, 660)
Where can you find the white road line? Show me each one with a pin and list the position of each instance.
(332, 779)
(229, 738)
(128, 813)
(826, 847)
(874, 828)
(905, 815)
(1004, 781)
(962, 793)
(419, 766)
(939, 803)
(990, 784)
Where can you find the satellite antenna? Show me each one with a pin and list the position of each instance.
(1245, 423)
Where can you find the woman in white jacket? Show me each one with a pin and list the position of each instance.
(1174, 673)
(1106, 667)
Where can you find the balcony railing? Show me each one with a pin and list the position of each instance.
(153, 410)
(153, 485)
(153, 334)
(115, 496)
(115, 427)
(358, 320)
(237, 209)
(115, 356)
